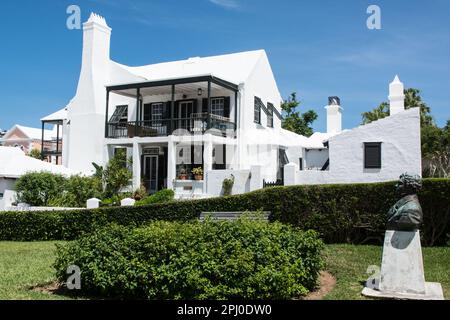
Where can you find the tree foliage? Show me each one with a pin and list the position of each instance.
(412, 100)
(296, 121)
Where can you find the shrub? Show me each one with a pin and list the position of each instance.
(211, 260)
(227, 185)
(76, 191)
(352, 213)
(37, 188)
(161, 196)
(117, 174)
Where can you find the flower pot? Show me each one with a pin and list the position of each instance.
(198, 177)
(183, 176)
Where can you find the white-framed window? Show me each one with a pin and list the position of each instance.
(218, 106)
(157, 111)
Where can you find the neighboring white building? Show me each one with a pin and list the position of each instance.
(14, 163)
(222, 114)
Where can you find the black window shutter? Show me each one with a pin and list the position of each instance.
(226, 107)
(167, 106)
(147, 112)
(205, 105)
(372, 155)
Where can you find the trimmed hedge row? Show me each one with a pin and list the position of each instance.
(350, 213)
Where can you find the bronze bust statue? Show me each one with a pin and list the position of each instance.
(406, 214)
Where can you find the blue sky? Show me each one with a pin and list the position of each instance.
(316, 48)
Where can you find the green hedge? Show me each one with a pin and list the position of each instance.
(350, 213)
(211, 260)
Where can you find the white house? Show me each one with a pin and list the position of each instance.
(219, 113)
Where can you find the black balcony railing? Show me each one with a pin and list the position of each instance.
(196, 123)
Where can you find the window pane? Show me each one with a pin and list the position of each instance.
(218, 106)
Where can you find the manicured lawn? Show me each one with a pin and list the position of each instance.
(27, 264)
(349, 263)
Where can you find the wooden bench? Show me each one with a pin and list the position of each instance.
(235, 215)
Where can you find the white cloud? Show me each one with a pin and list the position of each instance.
(230, 4)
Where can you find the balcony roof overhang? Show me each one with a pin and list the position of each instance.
(123, 88)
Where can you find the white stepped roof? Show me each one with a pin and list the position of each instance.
(235, 67)
(14, 163)
(57, 116)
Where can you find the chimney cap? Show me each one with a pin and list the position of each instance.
(334, 101)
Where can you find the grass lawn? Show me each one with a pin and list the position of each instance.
(348, 263)
(27, 264)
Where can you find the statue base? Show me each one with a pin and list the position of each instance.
(402, 275)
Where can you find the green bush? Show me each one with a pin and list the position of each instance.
(161, 196)
(76, 190)
(352, 213)
(48, 189)
(37, 188)
(211, 260)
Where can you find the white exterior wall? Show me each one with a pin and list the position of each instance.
(215, 179)
(400, 152)
(261, 83)
(7, 184)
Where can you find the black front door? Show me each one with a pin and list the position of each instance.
(150, 170)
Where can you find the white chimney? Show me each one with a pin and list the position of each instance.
(95, 64)
(334, 115)
(396, 96)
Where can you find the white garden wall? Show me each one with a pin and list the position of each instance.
(400, 152)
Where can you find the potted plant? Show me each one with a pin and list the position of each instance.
(198, 173)
(183, 174)
(227, 185)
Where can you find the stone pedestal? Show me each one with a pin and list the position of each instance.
(402, 274)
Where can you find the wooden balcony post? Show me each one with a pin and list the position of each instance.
(138, 97)
(106, 116)
(172, 110)
(209, 105)
(42, 141)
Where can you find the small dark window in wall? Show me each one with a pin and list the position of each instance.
(372, 155)
(300, 163)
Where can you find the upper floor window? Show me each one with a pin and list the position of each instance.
(218, 106)
(372, 155)
(157, 111)
(257, 113)
(270, 108)
(120, 115)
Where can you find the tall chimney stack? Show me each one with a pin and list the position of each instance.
(396, 96)
(334, 115)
